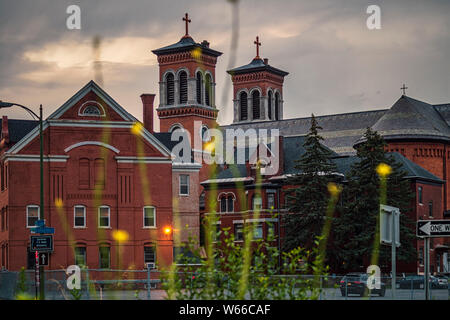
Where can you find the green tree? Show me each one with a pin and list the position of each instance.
(308, 198)
(356, 229)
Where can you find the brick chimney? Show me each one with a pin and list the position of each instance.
(5, 130)
(147, 105)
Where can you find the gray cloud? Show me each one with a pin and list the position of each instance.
(336, 64)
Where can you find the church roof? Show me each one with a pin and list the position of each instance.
(413, 170)
(411, 118)
(187, 44)
(255, 66)
(342, 131)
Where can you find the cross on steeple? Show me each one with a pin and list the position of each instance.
(257, 47)
(187, 20)
(404, 89)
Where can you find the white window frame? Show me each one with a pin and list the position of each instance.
(84, 216)
(154, 218)
(188, 185)
(109, 217)
(39, 213)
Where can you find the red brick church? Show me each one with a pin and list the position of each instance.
(105, 171)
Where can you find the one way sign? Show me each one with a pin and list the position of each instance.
(433, 228)
(43, 258)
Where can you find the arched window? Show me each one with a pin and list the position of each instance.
(92, 111)
(269, 104)
(277, 106)
(230, 204)
(170, 89)
(208, 90)
(255, 104)
(199, 87)
(243, 106)
(223, 204)
(183, 87)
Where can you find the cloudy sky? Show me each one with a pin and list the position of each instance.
(336, 63)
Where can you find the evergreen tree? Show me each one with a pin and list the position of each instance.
(308, 198)
(355, 229)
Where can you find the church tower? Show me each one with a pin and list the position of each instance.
(187, 84)
(257, 91)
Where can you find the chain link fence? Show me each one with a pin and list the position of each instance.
(98, 284)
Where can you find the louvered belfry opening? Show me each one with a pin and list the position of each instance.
(199, 88)
(208, 90)
(243, 106)
(183, 87)
(256, 103)
(277, 104)
(170, 89)
(269, 109)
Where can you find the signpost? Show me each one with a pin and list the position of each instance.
(430, 229)
(36, 255)
(42, 244)
(390, 235)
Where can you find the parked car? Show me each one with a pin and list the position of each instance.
(442, 281)
(417, 282)
(356, 283)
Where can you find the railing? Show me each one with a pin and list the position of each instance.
(99, 284)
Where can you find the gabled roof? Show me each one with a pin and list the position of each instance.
(186, 44)
(94, 87)
(31, 132)
(411, 118)
(255, 66)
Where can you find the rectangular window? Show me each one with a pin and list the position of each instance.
(419, 194)
(215, 232)
(80, 256)
(79, 217)
(32, 216)
(184, 184)
(103, 217)
(271, 201)
(257, 202)
(104, 258)
(230, 204)
(149, 217)
(430, 208)
(238, 231)
(257, 231)
(271, 233)
(149, 255)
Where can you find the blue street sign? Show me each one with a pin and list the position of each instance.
(40, 223)
(43, 230)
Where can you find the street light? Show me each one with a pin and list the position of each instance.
(41, 211)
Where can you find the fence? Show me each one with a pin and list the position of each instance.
(146, 285)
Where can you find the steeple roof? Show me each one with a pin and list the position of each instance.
(257, 65)
(186, 43)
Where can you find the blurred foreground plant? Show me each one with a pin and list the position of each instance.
(190, 276)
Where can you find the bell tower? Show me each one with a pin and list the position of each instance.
(187, 84)
(257, 90)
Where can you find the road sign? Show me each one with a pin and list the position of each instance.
(389, 215)
(43, 230)
(43, 258)
(42, 243)
(433, 228)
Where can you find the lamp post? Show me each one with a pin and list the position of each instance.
(41, 210)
